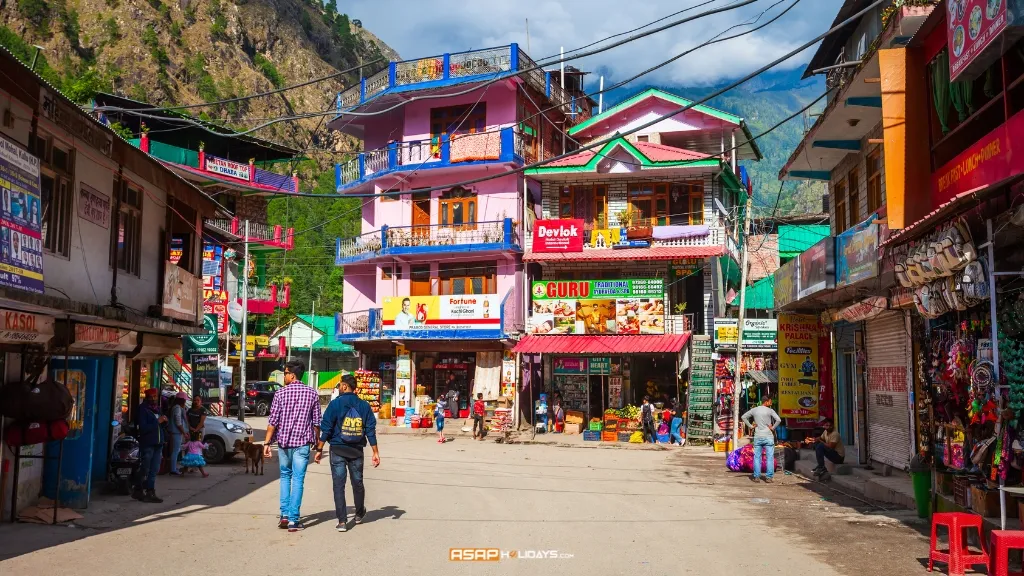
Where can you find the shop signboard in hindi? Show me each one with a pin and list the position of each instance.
(412, 314)
(758, 334)
(799, 370)
(558, 235)
(93, 205)
(21, 239)
(227, 167)
(971, 27)
(787, 283)
(598, 307)
(857, 253)
(816, 268)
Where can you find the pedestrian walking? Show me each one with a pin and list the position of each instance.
(479, 409)
(150, 424)
(295, 421)
(764, 420)
(442, 404)
(178, 430)
(677, 423)
(348, 426)
(647, 421)
(453, 398)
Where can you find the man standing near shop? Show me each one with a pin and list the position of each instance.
(764, 420)
(150, 423)
(295, 419)
(348, 426)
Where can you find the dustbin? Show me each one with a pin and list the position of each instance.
(921, 478)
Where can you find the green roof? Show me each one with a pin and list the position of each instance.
(324, 325)
(793, 240)
(760, 295)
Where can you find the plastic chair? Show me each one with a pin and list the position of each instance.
(957, 558)
(1002, 542)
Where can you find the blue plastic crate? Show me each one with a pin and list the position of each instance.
(591, 436)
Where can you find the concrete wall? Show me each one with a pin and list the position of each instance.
(497, 199)
(500, 99)
(652, 109)
(359, 290)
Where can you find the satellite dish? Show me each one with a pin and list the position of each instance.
(721, 207)
(235, 311)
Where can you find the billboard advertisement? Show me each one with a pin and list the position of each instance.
(972, 25)
(422, 313)
(635, 306)
(758, 334)
(558, 235)
(21, 244)
(799, 370)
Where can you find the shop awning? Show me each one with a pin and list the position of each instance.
(641, 344)
(952, 207)
(763, 376)
(624, 254)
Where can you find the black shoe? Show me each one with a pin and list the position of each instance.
(152, 497)
(360, 516)
(282, 523)
(138, 495)
(819, 471)
(825, 477)
(295, 527)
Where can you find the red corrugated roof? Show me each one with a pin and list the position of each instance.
(663, 153)
(580, 159)
(935, 217)
(621, 254)
(641, 344)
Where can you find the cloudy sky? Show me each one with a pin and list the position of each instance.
(417, 28)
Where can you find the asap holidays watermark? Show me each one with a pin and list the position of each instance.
(498, 555)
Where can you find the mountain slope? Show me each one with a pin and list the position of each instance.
(763, 102)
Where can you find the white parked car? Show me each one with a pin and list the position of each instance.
(220, 433)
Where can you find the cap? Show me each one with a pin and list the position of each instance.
(181, 395)
(152, 392)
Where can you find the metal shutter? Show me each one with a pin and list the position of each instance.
(888, 412)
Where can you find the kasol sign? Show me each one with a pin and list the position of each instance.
(971, 27)
(857, 253)
(558, 235)
(995, 157)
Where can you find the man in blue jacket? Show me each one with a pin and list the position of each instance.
(151, 446)
(348, 425)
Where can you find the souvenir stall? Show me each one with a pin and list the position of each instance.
(368, 387)
(759, 358)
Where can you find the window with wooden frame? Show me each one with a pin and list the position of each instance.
(468, 278)
(420, 283)
(56, 194)
(127, 236)
(839, 194)
(649, 203)
(458, 208)
(586, 202)
(465, 119)
(853, 185)
(388, 273)
(690, 197)
(874, 181)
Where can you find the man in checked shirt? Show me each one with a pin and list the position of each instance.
(295, 418)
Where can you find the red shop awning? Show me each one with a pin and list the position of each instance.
(624, 254)
(642, 344)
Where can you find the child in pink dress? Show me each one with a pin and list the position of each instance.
(194, 456)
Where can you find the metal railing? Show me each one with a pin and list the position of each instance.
(274, 235)
(714, 238)
(354, 247)
(534, 77)
(263, 293)
(678, 323)
(357, 322)
(392, 240)
(476, 62)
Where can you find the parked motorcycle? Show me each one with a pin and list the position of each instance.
(124, 461)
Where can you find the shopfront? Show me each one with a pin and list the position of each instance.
(760, 356)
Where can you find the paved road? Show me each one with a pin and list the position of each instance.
(609, 510)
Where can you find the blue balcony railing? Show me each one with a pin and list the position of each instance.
(500, 146)
(433, 239)
(368, 325)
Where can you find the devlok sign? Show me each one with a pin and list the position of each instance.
(558, 236)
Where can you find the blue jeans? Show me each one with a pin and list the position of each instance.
(762, 446)
(293, 462)
(677, 424)
(149, 465)
(355, 470)
(175, 451)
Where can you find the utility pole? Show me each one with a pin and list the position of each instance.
(244, 344)
(737, 388)
(312, 323)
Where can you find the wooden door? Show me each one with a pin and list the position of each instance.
(420, 281)
(421, 214)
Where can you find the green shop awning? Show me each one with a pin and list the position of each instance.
(760, 295)
(794, 240)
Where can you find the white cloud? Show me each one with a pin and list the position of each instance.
(417, 28)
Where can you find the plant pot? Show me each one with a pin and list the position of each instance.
(639, 233)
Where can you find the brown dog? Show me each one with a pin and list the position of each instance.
(253, 452)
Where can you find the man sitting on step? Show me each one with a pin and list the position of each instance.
(828, 445)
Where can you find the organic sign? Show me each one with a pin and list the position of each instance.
(558, 235)
(972, 25)
(21, 245)
(598, 307)
(227, 167)
(799, 371)
(758, 334)
(418, 313)
(857, 254)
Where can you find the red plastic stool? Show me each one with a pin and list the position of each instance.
(1002, 542)
(958, 557)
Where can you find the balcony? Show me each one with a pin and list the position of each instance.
(199, 165)
(261, 236)
(267, 299)
(363, 325)
(430, 240)
(501, 147)
(460, 68)
(657, 243)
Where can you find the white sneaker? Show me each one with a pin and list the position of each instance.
(341, 527)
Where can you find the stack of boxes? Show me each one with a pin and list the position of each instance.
(702, 392)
